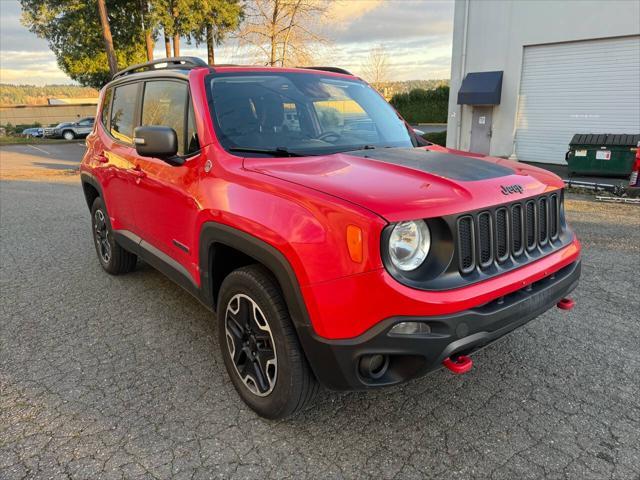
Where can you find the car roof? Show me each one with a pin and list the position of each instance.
(181, 67)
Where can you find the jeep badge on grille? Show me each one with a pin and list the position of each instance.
(509, 189)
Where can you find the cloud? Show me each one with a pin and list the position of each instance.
(398, 20)
(416, 34)
(345, 12)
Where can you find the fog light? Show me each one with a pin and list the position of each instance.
(410, 328)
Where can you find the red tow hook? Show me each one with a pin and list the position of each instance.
(460, 365)
(566, 304)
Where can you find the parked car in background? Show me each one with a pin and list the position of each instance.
(33, 132)
(71, 130)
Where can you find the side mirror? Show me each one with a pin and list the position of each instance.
(157, 141)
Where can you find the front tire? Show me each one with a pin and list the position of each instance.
(68, 135)
(259, 345)
(113, 258)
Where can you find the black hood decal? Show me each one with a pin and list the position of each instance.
(447, 165)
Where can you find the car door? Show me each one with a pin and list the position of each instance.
(116, 156)
(165, 205)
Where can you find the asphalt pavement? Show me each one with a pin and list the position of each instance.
(121, 377)
(41, 161)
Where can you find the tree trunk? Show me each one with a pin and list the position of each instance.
(167, 45)
(176, 33)
(148, 40)
(176, 45)
(108, 40)
(274, 40)
(210, 45)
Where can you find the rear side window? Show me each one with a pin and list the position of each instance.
(165, 103)
(106, 103)
(123, 112)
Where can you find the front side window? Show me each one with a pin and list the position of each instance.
(164, 103)
(123, 112)
(304, 113)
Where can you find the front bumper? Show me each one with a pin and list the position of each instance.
(336, 362)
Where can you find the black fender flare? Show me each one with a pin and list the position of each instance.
(88, 179)
(264, 253)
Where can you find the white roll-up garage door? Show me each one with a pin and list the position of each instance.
(579, 87)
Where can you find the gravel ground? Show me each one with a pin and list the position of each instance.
(120, 377)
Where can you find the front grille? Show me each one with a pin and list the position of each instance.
(517, 242)
(485, 239)
(502, 245)
(542, 221)
(465, 244)
(553, 216)
(530, 214)
(519, 231)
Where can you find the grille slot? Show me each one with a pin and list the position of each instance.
(553, 217)
(530, 224)
(466, 244)
(485, 239)
(494, 236)
(502, 245)
(517, 241)
(543, 226)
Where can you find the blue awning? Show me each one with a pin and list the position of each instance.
(481, 88)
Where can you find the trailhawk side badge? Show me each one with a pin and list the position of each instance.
(509, 189)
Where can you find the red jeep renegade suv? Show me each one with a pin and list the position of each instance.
(336, 246)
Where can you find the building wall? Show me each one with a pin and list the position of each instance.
(45, 114)
(495, 35)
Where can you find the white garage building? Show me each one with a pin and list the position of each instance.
(526, 75)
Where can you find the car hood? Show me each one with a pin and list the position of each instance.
(408, 183)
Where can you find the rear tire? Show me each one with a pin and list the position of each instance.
(113, 258)
(259, 345)
(68, 135)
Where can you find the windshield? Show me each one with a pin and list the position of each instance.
(301, 114)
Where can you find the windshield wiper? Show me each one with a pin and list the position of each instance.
(276, 152)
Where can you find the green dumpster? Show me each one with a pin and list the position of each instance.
(602, 154)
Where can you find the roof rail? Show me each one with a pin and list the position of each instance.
(330, 69)
(171, 62)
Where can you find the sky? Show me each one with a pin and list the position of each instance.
(416, 34)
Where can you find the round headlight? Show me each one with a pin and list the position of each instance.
(409, 244)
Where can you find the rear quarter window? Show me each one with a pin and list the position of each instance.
(106, 103)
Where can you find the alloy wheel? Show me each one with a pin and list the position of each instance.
(251, 345)
(101, 235)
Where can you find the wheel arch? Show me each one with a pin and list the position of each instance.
(218, 240)
(91, 189)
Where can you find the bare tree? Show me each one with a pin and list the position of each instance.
(376, 69)
(108, 40)
(283, 32)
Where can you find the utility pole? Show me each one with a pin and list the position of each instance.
(108, 40)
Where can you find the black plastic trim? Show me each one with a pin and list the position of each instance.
(217, 233)
(160, 261)
(87, 178)
(172, 63)
(412, 356)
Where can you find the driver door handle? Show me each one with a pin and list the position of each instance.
(136, 172)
